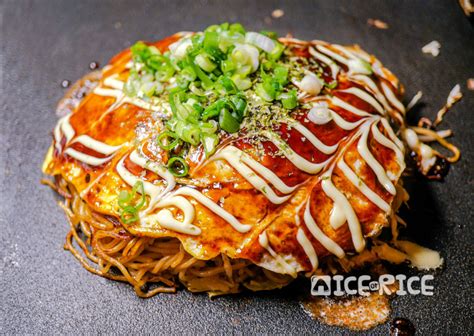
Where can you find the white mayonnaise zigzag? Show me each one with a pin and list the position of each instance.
(167, 193)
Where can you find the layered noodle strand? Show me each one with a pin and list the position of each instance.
(151, 265)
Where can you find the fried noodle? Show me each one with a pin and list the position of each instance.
(151, 265)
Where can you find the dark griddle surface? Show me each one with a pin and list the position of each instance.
(44, 290)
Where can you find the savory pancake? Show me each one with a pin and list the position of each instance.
(228, 158)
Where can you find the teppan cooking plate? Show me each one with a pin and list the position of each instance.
(44, 290)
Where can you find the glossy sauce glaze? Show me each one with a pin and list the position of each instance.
(325, 182)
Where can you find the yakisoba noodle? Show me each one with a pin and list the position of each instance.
(227, 160)
(105, 249)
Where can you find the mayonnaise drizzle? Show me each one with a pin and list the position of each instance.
(383, 140)
(312, 138)
(140, 159)
(377, 168)
(364, 189)
(343, 206)
(344, 124)
(369, 83)
(165, 218)
(303, 240)
(345, 51)
(366, 97)
(307, 247)
(300, 162)
(317, 233)
(208, 203)
(332, 54)
(86, 158)
(263, 241)
(96, 145)
(392, 98)
(63, 126)
(114, 83)
(150, 189)
(242, 161)
(346, 106)
(392, 135)
(332, 65)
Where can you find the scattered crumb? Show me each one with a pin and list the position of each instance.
(267, 20)
(278, 13)
(432, 48)
(118, 25)
(470, 84)
(377, 23)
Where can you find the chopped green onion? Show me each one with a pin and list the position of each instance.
(262, 92)
(178, 166)
(276, 53)
(189, 133)
(129, 212)
(289, 99)
(311, 84)
(179, 49)
(237, 28)
(202, 76)
(204, 62)
(228, 66)
(226, 85)
(211, 39)
(246, 56)
(171, 138)
(227, 122)
(188, 74)
(208, 78)
(140, 51)
(209, 142)
(280, 74)
(239, 102)
(261, 41)
(208, 127)
(242, 82)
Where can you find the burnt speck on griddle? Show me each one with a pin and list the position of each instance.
(402, 327)
(93, 65)
(439, 170)
(65, 83)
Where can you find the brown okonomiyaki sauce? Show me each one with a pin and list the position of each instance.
(354, 312)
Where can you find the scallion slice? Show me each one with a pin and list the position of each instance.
(209, 142)
(178, 166)
(129, 212)
(289, 99)
(227, 122)
(204, 62)
(171, 139)
(261, 41)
